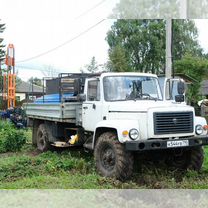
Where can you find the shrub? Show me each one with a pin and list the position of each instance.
(11, 139)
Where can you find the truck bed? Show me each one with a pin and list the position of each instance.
(63, 112)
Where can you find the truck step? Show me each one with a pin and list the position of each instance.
(61, 144)
(88, 146)
(74, 129)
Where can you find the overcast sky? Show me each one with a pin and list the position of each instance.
(37, 26)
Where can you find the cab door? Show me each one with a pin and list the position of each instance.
(92, 107)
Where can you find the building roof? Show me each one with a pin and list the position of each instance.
(25, 87)
(186, 78)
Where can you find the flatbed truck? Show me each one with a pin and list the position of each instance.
(116, 115)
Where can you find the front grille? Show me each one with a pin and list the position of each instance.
(173, 123)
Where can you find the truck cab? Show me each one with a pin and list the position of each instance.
(135, 103)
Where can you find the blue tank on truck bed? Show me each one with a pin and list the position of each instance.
(53, 98)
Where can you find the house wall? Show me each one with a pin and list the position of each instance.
(21, 96)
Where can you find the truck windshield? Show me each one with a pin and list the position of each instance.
(120, 88)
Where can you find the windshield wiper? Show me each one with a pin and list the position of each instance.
(144, 96)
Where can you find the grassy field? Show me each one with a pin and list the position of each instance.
(74, 169)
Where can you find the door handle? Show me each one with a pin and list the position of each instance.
(94, 106)
(85, 107)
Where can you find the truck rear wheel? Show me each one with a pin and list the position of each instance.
(43, 143)
(111, 158)
(190, 159)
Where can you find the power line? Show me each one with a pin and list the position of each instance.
(63, 44)
(89, 10)
(82, 33)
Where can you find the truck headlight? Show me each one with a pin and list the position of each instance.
(199, 129)
(134, 134)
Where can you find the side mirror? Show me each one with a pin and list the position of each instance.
(181, 87)
(81, 97)
(179, 98)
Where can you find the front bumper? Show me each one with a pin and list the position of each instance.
(157, 144)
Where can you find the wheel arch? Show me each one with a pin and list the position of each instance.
(99, 131)
(117, 126)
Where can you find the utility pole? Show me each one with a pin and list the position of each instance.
(183, 9)
(183, 15)
(168, 66)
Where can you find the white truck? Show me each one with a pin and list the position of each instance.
(116, 115)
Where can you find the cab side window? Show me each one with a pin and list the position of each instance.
(93, 91)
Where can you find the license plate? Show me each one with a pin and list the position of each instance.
(180, 143)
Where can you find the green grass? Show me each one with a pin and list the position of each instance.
(75, 169)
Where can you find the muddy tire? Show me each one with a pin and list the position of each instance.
(196, 158)
(190, 159)
(43, 143)
(111, 158)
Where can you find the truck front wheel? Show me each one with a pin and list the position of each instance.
(196, 158)
(111, 158)
(191, 159)
(43, 143)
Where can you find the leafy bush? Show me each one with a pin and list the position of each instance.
(11, 139)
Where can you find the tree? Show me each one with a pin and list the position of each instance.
(143, 42)
(185, 41)
(35, 81)
(49, 71)
(18, 81)
(195, 67)
(160, 9)
(93, 66)
(119, 62)
(145, 9)
(197, 9)
(2, 51)
(2, 56)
